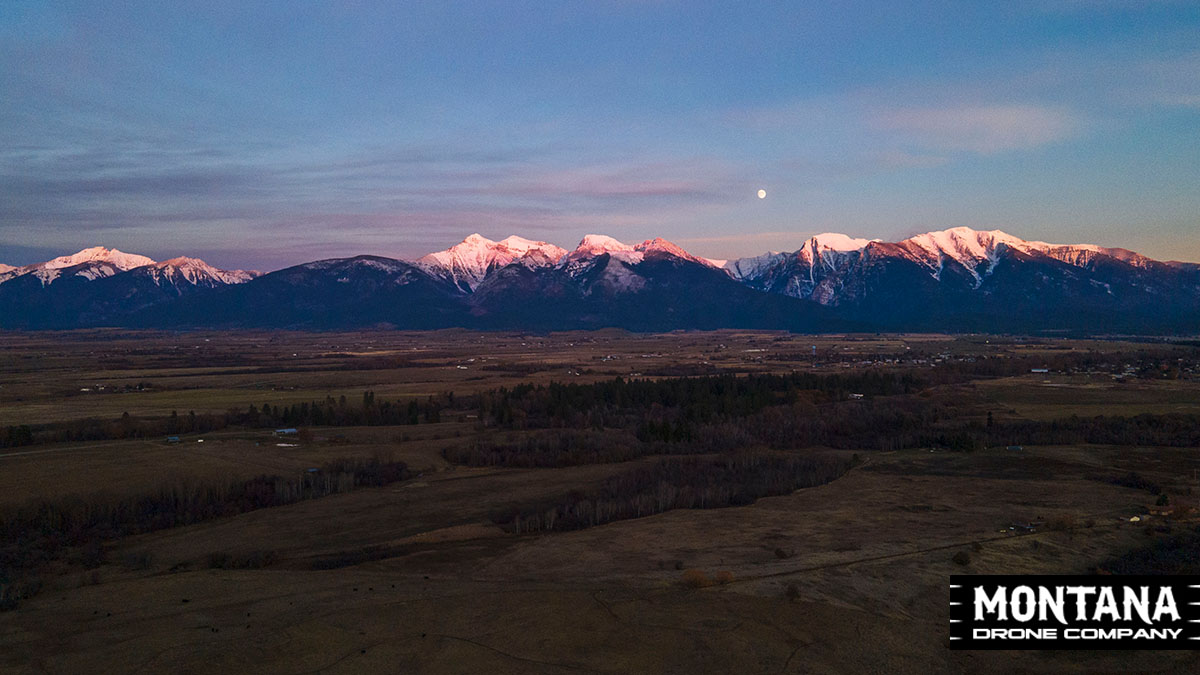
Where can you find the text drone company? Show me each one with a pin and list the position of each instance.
(1074, 612)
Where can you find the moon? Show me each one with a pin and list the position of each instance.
(762, 194)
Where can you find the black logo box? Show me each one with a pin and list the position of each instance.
(1035, 633)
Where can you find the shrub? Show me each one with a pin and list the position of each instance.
(696, 579)
(1136, 481)
(792, 592)
(782, 554)
(723, 577)
(12, 593)
(962, 558)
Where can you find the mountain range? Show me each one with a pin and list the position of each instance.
(953, 280)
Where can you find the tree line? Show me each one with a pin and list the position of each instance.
(690, 400)
(687, 483)
(329, 412)
(36, 534)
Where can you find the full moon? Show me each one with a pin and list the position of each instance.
(762, 194)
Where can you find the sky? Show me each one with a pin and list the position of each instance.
(264, 134)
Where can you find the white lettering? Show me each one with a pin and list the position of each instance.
(1054, 603)
(1023, 605)
(1014, 634)
(1139, 602)
(993, 605)
(1081, 593)
(1106, 604)
(1166, 604)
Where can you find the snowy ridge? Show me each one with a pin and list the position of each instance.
(99, 262)
(951, 280)
(829, 250)
(468, 263)
(835, 241)
(979, 250)
(90, 263)
(975, 250)
(817, 268)
(753, 267)
(117, 259)
(662, 247)
(594, 245)
(8, 272)
(372, 262)
(195, 272)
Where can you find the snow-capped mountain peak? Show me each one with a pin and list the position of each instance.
(196, 272)
(467, 263)
(662, 246)
(90, 263)
(599, 244)
(99, 262)
(118, 259)
(978, 250)
(595, 245)
(836, 241)
(828, 248)
(954, 279)
(964, 242)
(523, 246)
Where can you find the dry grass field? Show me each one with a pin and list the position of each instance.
(416, 576)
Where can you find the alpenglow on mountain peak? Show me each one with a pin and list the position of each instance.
(467, 263)
(99, 262)
(958, 279)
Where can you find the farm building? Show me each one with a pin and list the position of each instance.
(286, 432)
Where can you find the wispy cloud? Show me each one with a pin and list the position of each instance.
(983, 129)
(400, 200)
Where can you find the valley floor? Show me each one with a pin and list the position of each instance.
(868, 556)
(416, 576)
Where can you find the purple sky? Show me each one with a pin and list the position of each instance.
(266, 134)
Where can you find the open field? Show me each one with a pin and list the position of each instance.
(422, 575)
(1049, 397)
(97, 373)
